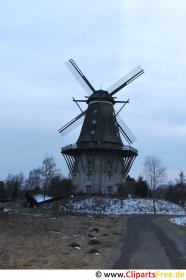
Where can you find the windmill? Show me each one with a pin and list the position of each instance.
(99, 160)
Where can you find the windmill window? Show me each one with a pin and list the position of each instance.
(110, 177)
(95, 111)
(92, 132)
(110, 189)
(88, 188)
(94, 122)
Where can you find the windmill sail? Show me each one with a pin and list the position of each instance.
(125, 131)
(67, 128)
(80, 77)
(131, 76)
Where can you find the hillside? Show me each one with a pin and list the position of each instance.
(112, 206)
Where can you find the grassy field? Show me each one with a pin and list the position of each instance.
(42, 239)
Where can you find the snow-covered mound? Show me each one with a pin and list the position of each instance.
(112, 206)
(179, 221)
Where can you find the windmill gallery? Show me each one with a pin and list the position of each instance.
(99, 160)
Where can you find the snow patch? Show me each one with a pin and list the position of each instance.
(179, 221)
(6, 210)
(112, 206)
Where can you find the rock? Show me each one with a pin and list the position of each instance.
(94, 241)
(75, 246)
(94, 251)
(116, 233)
(95, 230)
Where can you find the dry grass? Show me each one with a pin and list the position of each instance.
(40, 239)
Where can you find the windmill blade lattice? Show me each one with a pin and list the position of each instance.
(80, 77)
(67, 128)
(125, 131)
(131, 76)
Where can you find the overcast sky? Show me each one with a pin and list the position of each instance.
(107, 39)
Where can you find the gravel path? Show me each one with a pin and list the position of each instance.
(149, 245)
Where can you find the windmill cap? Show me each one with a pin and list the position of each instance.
(100, 96)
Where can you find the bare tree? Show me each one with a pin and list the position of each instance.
(155, 174)
(14, 183)
(181, 180)
(48, 171)
(180, 189)
(34, 179)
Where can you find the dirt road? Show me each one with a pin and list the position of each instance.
(150, 244)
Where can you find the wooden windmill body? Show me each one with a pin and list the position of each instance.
(99, 160)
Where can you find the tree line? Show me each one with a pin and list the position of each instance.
(48, 179)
